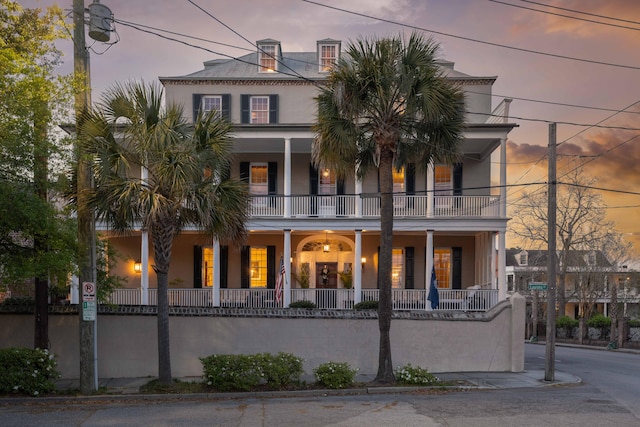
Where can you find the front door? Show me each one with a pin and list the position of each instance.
(326, 275)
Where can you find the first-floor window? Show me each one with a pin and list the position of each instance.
(207, 267)
(258, 267)
(397, 268)
(442, 265)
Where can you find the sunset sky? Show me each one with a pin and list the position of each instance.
(482, 37)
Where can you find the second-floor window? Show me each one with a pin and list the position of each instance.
(443, 182)
(212, 103)
(398, 181)
(259, 109)
(326, 182)
(259, 179)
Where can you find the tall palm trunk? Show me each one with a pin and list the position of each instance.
(385, 366)
(163, 234)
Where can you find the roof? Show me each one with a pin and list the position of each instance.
(538, 258)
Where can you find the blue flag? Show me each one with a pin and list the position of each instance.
(433, 291)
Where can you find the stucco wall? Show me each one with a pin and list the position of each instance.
(441, 342)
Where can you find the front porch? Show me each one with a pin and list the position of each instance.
(329, 299)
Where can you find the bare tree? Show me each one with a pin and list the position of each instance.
(581, 223)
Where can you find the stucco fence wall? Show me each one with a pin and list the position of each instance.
(439, 341)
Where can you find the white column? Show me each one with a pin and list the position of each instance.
(287, 178)
(144, 264)
(357, 268)
(75, 294)
(428, 268)
(358, 191)
(502, 267)
(286, 289)
(503, 178)
(430, 188)
(144, 253)
(215, 289)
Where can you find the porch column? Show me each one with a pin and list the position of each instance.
(428, 268)
(357, 268)
(144, 253)
(431, 195)
(358, 191)
(502, 267)
(144, 263)
(286, 289)
(287, 178)
(503, 178)
(215, 289)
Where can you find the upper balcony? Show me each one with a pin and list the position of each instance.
(368, 206)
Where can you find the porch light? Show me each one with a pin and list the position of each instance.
(363, 261)
(137, 266)
(325, 247)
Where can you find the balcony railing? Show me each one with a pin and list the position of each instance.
(334, 299)
(404, 206)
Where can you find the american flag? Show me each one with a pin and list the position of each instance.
(279, 282)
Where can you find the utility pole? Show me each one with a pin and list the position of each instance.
(550, 349)
(86, 235)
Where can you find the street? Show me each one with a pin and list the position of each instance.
(608, 397)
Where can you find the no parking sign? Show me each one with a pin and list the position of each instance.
(89, 308)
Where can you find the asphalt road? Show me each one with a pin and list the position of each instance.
(608, 397)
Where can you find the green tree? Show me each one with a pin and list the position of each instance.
(187, 181)
(32, 96)
(387, 104)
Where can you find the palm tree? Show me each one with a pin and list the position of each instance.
(187, 181)
(386, 104)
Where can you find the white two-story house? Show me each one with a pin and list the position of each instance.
(325, 230)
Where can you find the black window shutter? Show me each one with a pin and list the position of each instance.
(340, 186)
(271, 267)
(224, 266)
(226, 107)
(273, 108)
(457, 179)
(410, 178)
(313, 188)
(244, 109)
(272, 178)
(244, 171)
(197, 266)
(244, 267)
(409, 267)
(197, 102)
(456, 268)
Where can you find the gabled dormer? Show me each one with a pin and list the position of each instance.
(523, 258)
(328, 54)
(269, 55)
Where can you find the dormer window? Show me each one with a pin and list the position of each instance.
(328, 52)
(591, 259)
(268, 56)
(523, 258)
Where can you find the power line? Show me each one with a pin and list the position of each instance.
(536, 52)
(581, 12)
(588, 125)
(566, 16)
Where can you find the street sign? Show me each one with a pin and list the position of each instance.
(538, 286)
(89, 305)
(89, 311)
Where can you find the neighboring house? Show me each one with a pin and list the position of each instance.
(448, 219)
(588, 281)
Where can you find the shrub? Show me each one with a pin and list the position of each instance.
(634, 323)
(366, 305)
(302, 304)
(19, 301)
(239, 372)
(335, 375)
(599, 321)
(567, 322)
(27, 371)
(228, 372)
(415, 375)
(281, 369)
